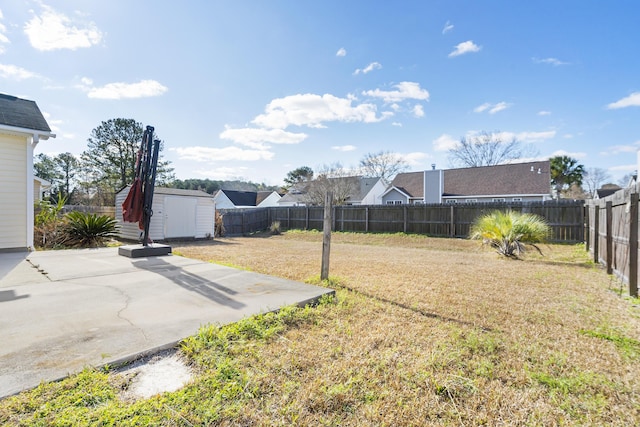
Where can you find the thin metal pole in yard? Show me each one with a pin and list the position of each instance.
(326, 239)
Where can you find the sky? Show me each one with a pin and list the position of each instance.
(251, 90)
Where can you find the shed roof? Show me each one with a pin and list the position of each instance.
(21, 113)
(173, 192)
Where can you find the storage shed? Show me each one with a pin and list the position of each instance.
(177, 214)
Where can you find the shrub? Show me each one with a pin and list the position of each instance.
(219, 225)
(88, 230)
(509, 231)
(275, 228)
(47, 231)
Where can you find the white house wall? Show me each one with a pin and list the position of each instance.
(14, 193)
(374, 196)
(270, 201)
(222, 201)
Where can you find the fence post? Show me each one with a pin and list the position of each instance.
(452, 226)
(366, 219)
(587, 227)
(596, 233)
(326, 237)
(405, 217)
(633, 246)
(306, 218)
(609, 210)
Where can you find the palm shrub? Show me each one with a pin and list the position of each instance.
(509, 231)
(48, 231)
(88, 230)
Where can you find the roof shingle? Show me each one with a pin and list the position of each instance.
(21, 113)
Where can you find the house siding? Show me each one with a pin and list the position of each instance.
(13, 192)
(394, 195)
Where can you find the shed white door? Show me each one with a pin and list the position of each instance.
(179, 217)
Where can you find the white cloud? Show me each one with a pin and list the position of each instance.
(445, 142)
(344, 148)
(398, 124)
(210, 154)
(544, 113)
(448, 26)
(481, 108)
(499, 107)
(624, 168)
(415, 158)
(632, 100)
(465, 47)
(551, 61)
(222, 173)
(491, 108)
(526, 137)
(53, 30)
(575, 155)
(120, 90)
(341, 52)
(418, 110)
(313, 110)
(16, 73)
(256, 138)
(369, 68)
(406, 90)
(617, 149)
(4, 40)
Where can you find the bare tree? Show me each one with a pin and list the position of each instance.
(593, 178)
(333, 178)
(487, 149)
(383, 164)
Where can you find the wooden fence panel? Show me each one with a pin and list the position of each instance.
(612, 230)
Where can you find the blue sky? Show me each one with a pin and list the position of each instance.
(254, 89)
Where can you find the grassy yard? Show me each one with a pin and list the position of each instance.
(423, 331)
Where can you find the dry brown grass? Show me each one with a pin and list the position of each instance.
(440, 332)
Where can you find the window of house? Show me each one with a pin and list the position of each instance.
(394, 202)
(451, 201)
(499, 199)
(471, 200)
(517, 199)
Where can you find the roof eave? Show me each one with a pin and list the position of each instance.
(36, 133)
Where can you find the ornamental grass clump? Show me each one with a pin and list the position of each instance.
(88, 230)
(510, 232)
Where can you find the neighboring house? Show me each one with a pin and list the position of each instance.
(22, 127)
(177, 214)
(365, 191)
(606, 190)
(231, 199)
(40, 188)
(513, 182)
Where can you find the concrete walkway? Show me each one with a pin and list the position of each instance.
(61, 311)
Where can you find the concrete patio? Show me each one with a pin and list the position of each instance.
(62, 311)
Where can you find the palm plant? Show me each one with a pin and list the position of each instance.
(88, 230)
(508, 232)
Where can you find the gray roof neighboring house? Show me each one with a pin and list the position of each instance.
(21, 113)
(512, 178)
(531, 178)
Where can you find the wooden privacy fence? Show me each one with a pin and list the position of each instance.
(612, 235)
(566, 218)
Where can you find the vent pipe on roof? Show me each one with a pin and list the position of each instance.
(433, 166)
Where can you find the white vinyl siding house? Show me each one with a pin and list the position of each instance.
(22, 126)
(177, 214)
(13, 192)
